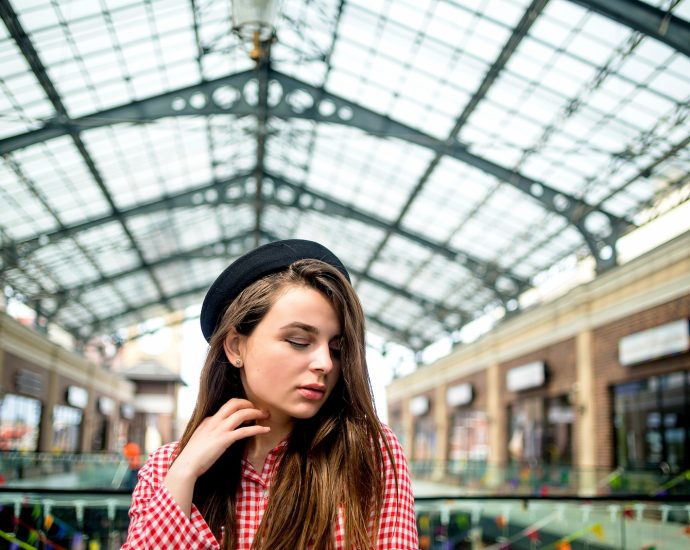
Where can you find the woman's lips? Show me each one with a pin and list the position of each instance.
(311, 392)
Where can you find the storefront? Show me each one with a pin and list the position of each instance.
(541, 431)
(468, 437)
(21, 404)
(595, 380)
(540, 424)
(652, 414)
(103, 419)
(424, 439)
(20, 419)
(49, 396)
(68, 419)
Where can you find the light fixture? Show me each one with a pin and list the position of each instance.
(253, 21)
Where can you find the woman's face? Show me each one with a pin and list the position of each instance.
(291, 361)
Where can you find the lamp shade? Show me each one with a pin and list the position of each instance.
(254, 16)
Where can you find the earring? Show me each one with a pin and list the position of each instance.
(238, 362)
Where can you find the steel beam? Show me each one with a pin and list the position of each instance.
(344, 112)
(439, 311)
(519, 32)
(31, 188)
(435, 309)
(401, 335)
(216, 193)
(107, 323)
(209, 250)
(643, 17)
(25, 45)
(485, 272)
(263, 71)
(213, 97)
(190, 199)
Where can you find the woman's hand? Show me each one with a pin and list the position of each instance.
(208, 442)
(216, 433)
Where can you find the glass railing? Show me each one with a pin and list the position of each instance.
(62, 471)
(545, 480)
(553, 523)
(78, 501)
(63, 520)
(110, 471)
(98, 521)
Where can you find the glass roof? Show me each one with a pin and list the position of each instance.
(450, 152)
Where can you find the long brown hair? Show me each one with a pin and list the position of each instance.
(332, 460)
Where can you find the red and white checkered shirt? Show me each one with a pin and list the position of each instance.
(157, 521)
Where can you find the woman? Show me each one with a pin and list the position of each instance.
(284, 449)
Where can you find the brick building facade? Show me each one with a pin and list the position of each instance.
(572, 401)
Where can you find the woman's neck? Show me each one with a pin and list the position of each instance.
(259, 446)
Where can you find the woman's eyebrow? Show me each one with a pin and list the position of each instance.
(307, 328)
(303, 326)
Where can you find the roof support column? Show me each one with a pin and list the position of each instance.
(498, 448)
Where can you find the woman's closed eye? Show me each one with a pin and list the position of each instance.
(299, 344)
(334, 348)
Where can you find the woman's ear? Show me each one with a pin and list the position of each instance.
(232, 347)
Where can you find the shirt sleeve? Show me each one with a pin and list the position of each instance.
(156, 521)
(398, 529)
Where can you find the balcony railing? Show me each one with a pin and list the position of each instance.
(549, 523)
(77, 519)
(109, 471)
(544, 480)
(62, 470)
(63, 520)
(77, 501)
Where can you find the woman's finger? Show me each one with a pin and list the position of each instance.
(233, 405)
(248, 431)
(238, 418)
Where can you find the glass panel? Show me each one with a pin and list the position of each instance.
(559, 431)
(674, 404)
(66, 428)
(424, 439)
(100, 440)
(637, 423)
(541, 431)
(20, 418)
(469, 439)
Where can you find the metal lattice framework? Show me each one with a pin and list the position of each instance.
(450, 152)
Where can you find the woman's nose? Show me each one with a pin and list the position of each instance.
(322, 360)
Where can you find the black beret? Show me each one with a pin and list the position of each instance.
(261, 261)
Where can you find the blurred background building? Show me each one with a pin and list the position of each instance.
(594, 380)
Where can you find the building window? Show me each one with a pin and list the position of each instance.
(651, 423)
(469, 439)
(20, 418)
(541, 431)
(424, 444)
(66, 427)
(100, 436)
